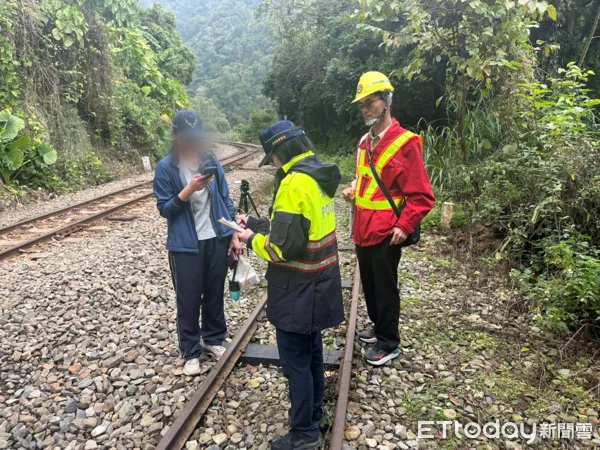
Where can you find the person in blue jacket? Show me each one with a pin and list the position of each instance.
(198, 244)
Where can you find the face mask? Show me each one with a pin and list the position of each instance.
(374, 122)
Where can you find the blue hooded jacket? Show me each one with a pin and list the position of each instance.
(182, 235)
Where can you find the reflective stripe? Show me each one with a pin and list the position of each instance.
(271, 251)
(311, 256)
(316, 245)
(377, 205)
(309, 267)
(365, 175)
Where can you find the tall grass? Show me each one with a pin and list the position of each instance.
(442, 153)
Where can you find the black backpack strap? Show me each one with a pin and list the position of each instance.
(415, 236)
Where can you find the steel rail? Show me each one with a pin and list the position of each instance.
(339, 420)
(75, 226)
(63, 231)
(186, 421)
(57, 212)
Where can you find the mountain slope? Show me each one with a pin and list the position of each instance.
(233, 51)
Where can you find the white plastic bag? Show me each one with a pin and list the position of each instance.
(244, 273)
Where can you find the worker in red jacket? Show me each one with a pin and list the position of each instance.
(385, 220)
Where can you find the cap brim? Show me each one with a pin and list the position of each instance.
(279, 141)
(265, 160)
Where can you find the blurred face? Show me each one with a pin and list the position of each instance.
(189, 150)
(372, 107)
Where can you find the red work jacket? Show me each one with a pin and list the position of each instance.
(404, 175)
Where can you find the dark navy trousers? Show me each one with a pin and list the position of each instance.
(301, 357)
(378, 266)
(199, 282)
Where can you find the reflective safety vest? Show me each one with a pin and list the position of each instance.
(300, 194)
(367, 193)
(304, 282)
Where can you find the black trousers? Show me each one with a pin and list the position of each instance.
(301, 357)
(199, 282)
(379, 277)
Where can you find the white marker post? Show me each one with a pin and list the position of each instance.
(146, 162)
(447, 212)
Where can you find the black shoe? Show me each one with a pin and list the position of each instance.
(367, 336)
(296, 441)
(378, 357)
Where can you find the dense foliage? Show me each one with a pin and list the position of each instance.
(575, 25)
(523, 151)
(95, 80)
(540, 193)
(17, 152)
(517, 146)
(476, 43)
(319, 59)
(233, 55)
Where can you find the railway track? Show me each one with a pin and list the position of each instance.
(58, 224)
(187, 420)
(17, 237)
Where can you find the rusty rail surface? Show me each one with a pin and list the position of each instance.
(339, 420)
(185, 423)
(79, 224)
(187, 420)
(56, 212)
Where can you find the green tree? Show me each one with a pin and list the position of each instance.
(319, 59)
(259, 120)
(233, 53)
(213, 117)
(589, 39)
(175, 60)
(571, 32)
(89, 78)
(478, 42)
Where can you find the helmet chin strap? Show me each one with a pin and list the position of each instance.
(388, 101)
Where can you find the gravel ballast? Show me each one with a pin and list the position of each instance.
(88, 340)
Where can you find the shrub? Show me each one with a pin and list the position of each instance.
(568, 293)
(19, 154)
(140, 124)
(533, 181)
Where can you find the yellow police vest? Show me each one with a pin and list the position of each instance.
(301, 194)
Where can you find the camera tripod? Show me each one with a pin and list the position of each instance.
(246, 197)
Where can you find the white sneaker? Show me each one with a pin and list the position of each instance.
(216, 351)
(192, 367)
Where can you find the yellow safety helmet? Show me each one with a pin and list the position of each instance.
(371, 82)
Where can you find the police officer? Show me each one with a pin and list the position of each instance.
(304, 283)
